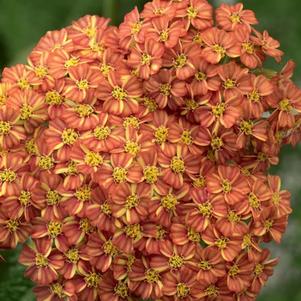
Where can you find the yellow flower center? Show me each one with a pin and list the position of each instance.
(69, 136)
(276, 198)
(152, 276)
(41, 71)
(164, 35)
(248, 47)
(160, 232)
(93, 159)
(25, 112)
(205, 265)
(92, 280)
(24, 197)
(53, 197)
(177, 165)
(82, 84)
(23, 84)
(146, 59)
(54, 228)
(246, 126)
(285, 105)
(229, 84)
(119, 93)
(193, 236)
(132, 201)
(268, 224)
(235, 18)
(72, 168)
(105, 69)
(109, 248)
(150, 104)
(220, 50)
(226, 186)
(233, 271)
(132, 147)
(205, 209)
(105, 208)
(222, 242)
(191, 104)
(133, 231)
(71, 62)
(197, 39)
(102, 133)
(254, 96)
(84, 110)
(186, 137)
(176, 261)
(247, 241)
(136, 27)
(219, 109)
(253, 200)
(262, 157)
(165, 89)
(212, 291)
(12, 225)
(8, 176)
(85, 225)
(57, 289)
(119, 174)
(161, 134)
(258, 269)
(4, 127)
(31, 147)
(41, 261)
(217, 143)
(180, 61)
(200, 182)
(192, 12)
(53, 98)
(233, 217)
(83, 193)
(131, 121)
(72, 255)
(169, 201)
(200, 76)
(121, 290)
(182, 290)
(151, 174)
(45, 162)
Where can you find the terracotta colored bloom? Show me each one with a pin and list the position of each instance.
(239, 274)
(173, 257)
(41, 261)
(180, 284)
(199, 14)
(228, 247)
(269, 225)
(263, 270)
(218, 44)
(158, 9)
(31, 107)
(229, 182)
(10, 132)
(280, 199)
(180, 59)
(208, 264)
(146, 59)
(144, 280)
(82, 83)
(100, 251)
(233, 17)
(112, 289)
(256, 89)
(130, 203)
(119, 94)
(166, 32)
(165, 89)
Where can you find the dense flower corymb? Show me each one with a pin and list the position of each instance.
(136, 157)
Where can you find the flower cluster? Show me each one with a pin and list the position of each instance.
(136, 158)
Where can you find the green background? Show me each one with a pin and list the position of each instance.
(23, 22)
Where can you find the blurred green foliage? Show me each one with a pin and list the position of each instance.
(22, 23)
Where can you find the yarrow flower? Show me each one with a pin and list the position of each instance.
(134, 159)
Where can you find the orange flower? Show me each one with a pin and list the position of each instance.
(120, 94)
(10, 132)
(146, 59)
(228, 182)
(234, 17)
(158, 9)
(218, 44)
